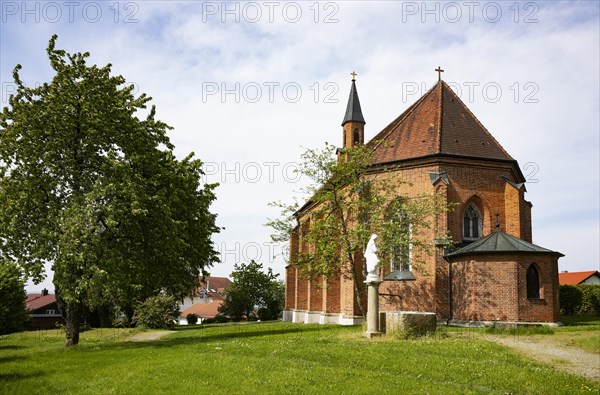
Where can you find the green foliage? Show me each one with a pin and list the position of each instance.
(590, 301)
(582, 298)
(13, 313)
(155, 312)
(90, 184)
(192, 319)
(570, 298)
(349, 200)
(252, 288)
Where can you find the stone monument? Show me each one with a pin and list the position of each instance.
(373, 281)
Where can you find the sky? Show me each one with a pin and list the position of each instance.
(247, 86)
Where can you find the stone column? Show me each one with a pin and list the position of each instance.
(373, 283)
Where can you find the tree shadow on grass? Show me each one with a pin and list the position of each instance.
(580, 320)
(11, 347)
(11, 358)
(8, 377)
(217, 333)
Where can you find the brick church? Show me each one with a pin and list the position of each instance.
(497, 274)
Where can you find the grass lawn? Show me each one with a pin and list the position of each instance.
(272, 358)
(582, 331)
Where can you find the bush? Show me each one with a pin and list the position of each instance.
(192, 319)
(595, 300)
(158, 311)
(570, 298)
(590, 300)
(219, 319)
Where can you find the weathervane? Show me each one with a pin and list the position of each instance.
(440, 71)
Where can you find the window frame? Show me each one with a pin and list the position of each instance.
(401, 256)
(473, 207)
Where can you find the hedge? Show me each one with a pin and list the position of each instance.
(580, 299)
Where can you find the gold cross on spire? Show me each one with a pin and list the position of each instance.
(353, 74)
(440, 71)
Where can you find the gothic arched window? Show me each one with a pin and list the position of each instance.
(356, 137)
(472, 223)
(533, 282)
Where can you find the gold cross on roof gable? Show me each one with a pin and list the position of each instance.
(440, 71)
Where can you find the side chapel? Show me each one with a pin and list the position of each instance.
(439, 146)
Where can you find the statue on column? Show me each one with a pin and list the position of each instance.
(372, 260)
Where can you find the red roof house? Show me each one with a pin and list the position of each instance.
(43, 310)
(575, 278)
(205, 300)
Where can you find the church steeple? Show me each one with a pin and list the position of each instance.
(354, 122)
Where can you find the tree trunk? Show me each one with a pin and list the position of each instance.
(72, 324)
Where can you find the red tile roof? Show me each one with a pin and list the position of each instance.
(204, 310)
(218, 284)
(438, 123)
(574, 278)
(37, 301)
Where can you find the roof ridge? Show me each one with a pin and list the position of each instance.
(463, 105)
(438, 135)
(389, 128)
(513, 243)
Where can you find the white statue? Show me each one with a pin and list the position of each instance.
(372, 260)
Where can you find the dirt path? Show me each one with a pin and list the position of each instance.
(148, 336)
(561, 356)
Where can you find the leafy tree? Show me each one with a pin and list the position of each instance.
(570, 298)
(252, 288)
(156, 312)
(13, 312)
(97, 191)
(350, 199)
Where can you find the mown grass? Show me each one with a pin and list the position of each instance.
(520, 330)
(582, 331)
(272, 358)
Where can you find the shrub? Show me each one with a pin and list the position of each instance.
(570, 298)
(192, 319)
(158, 311)
(589, 302)
(219, 318)
(595, 300)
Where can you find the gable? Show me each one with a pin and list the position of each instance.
(439, 123)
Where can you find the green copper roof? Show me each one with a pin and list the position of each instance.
(353, 111)
(499, 242)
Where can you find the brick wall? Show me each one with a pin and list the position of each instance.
(290, 287)
(493, 287)
(545, 309)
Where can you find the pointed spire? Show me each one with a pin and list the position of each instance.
(353, 110)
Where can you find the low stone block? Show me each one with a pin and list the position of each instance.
(407, 324)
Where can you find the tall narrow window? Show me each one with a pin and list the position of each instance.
(356, 137)
(472, 223)
(401, 255)
(533, 282)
